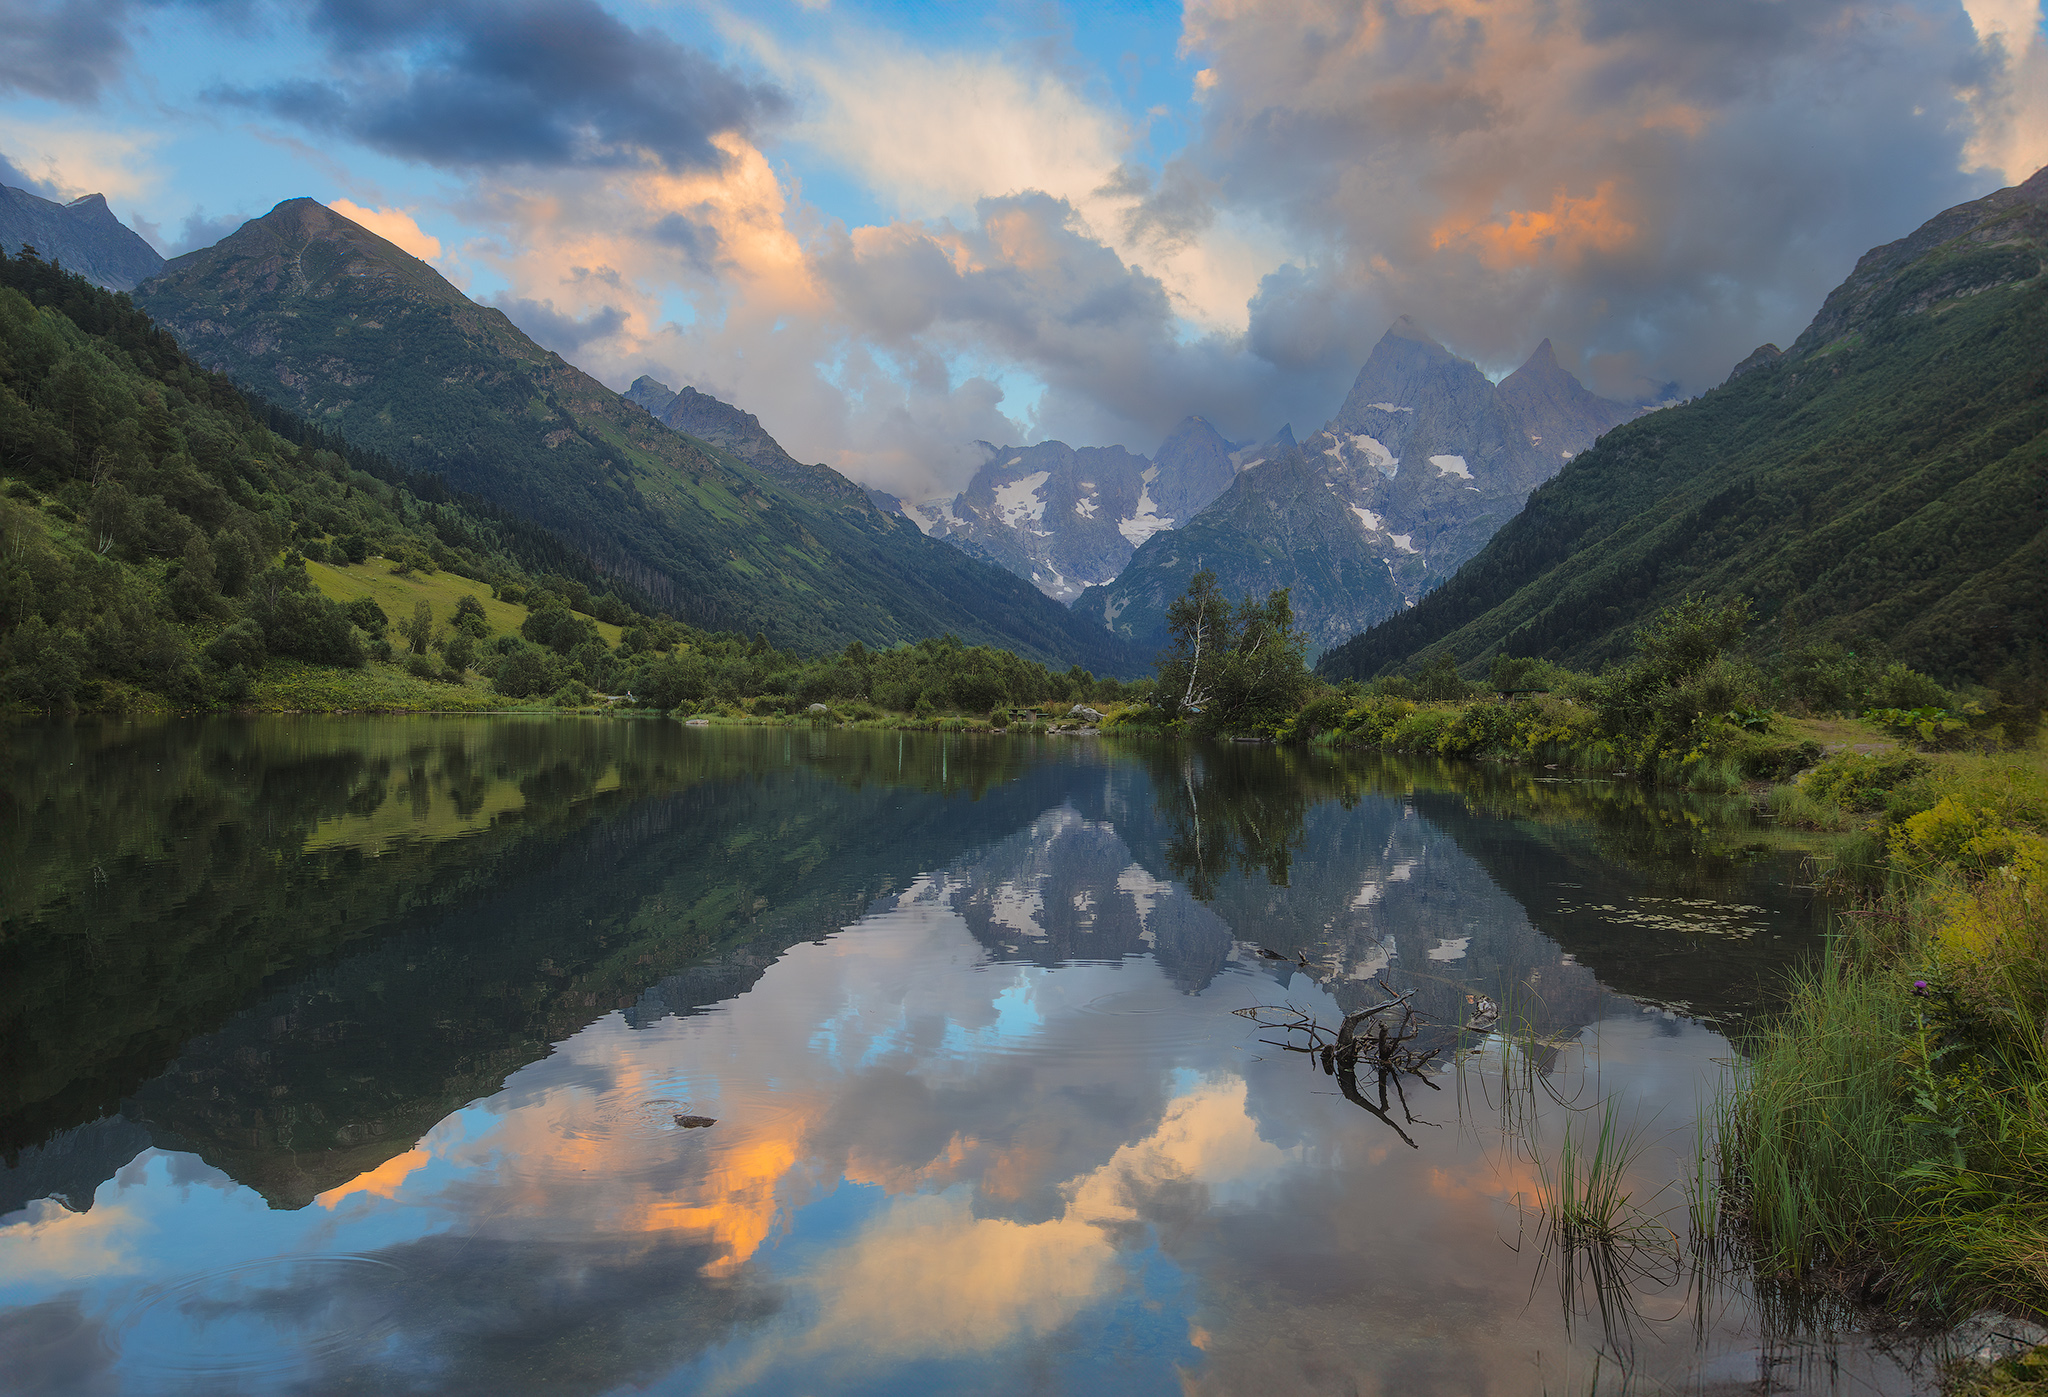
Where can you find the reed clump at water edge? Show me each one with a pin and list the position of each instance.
(1889, 1132)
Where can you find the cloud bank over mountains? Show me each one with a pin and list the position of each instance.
(888, 246)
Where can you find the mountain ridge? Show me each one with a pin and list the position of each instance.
(1886, 477)
(1069, 517)
(1278, 525)
(1422, 462)
(347, 328)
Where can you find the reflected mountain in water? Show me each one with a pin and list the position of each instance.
(307, 942)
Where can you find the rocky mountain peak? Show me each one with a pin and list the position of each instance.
(1558, 415)
(651, 393)
(1067, 518)
(739, 432)
(1406, 327)
(302, 248)
(302, 220)
(1194, 467)
(83, 236)
(1408, 377)
(1760, 356)
(1974, 247)
(1541, 364)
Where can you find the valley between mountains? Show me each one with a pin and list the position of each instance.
(1883, 476)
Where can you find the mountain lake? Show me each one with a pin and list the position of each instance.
(524, 1055)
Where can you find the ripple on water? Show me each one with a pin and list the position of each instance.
(260, 1317)
(1140, 1022)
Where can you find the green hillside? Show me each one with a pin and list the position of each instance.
(1884, 480)
(167, 542)
(334, 322)
(155, 532)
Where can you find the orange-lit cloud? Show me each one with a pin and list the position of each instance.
(2009, 103)
(381, 1182)
(929, 1276)
(735, 1207)
(51, 1242)
(1566, 231)
(393, 225)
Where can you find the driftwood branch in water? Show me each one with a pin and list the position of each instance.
(1380, 1048)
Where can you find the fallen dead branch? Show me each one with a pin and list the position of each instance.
(1375, 1038)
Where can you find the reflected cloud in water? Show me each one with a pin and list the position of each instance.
(985, 1116)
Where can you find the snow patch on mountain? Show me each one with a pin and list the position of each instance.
(1383, 460)
(1147, 521)
(1019, 500)
(1451, 465)
(933, 515)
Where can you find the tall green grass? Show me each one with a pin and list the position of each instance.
(1892, 1126)
(1815, 1140)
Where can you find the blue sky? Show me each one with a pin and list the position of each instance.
(892, 229)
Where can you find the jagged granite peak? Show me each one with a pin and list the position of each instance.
(1432, 457)
(1425, 460)
(1271, 449)
(1068, 518)
(651, 393)
(1973, 247)
(1061, 517)
(1280, 524)
(1194, 467)
(82, 236)
(1559, 415)
(351, 331)
(1416, 398)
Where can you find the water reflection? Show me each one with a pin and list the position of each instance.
(386, 1092)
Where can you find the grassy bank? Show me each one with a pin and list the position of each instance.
(1891, 1130)
(1572, 734)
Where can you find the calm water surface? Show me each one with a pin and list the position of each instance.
(347, 1056)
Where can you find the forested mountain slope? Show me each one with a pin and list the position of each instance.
(146, 504)
(335, 322)
(1885, 478)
